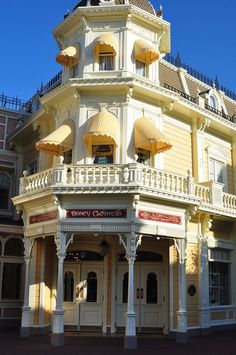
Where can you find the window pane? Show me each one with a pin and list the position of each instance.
(212, 101)
(2, 131)
(219, 292)
(4, 181)
(140, 68)
(4, 200)
(92, 287)
(151, 288)
(68, 286)
(103, 154)
(14, 247)
(143, 156)
(125, 288)
(106, 62)
(11, 281)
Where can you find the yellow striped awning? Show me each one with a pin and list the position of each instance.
(144, 52)
(106, 43)
(105, 125)
(59, 141)
(69, 55)
(148, 136)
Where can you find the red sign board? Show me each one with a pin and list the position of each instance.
(43, 217)
(159, 217)
(98, 213)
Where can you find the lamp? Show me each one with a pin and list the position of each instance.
(103, 248)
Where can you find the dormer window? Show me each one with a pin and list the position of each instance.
(213, 102)
(106, 61)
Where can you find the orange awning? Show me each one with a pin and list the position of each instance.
(105, 125)
(105, 43)
(144, 52)
(69, 55)
(148, 136)
(59, 141)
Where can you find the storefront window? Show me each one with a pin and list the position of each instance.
(219, 277)
(103, 154)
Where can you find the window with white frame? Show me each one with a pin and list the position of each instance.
(219, 276)
(140, 68)
(213, 102)
(106, 61)
(217, 170)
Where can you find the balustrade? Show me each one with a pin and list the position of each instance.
(129, 175)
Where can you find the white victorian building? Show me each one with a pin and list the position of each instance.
(129, 222)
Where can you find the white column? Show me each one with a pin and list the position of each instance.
(182, 332)
(25, 318)
(62, 241)
(130, 243)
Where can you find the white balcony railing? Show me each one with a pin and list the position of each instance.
(128, 176)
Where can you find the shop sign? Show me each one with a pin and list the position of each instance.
(43, 217)
(97, 213)
(159, 217)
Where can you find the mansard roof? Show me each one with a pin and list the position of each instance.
(142, 4)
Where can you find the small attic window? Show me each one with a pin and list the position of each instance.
(213, 102)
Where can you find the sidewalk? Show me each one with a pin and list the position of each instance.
(220, 343)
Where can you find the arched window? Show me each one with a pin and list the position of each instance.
(151, 288)
(14, 247)
(68, 286)
(213, 102)
(4, 191)
(125, 288)
(92, 287)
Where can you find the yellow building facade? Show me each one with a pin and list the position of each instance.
(129, 223)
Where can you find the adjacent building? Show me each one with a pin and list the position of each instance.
(13, 113)
(129, 221)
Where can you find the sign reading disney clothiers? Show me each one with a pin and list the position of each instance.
(159, 217)
(97, 213)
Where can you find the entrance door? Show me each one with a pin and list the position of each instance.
(91, 296)
(148, 293)
(83, 294)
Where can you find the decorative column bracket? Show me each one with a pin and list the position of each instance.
(130, 244)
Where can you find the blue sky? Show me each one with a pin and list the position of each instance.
(203, 33)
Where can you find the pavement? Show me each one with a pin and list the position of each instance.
(219, 343)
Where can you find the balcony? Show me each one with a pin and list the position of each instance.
(206, 106)
(128, 178)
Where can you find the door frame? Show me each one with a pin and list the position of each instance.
(164, 284)
(76, 269)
